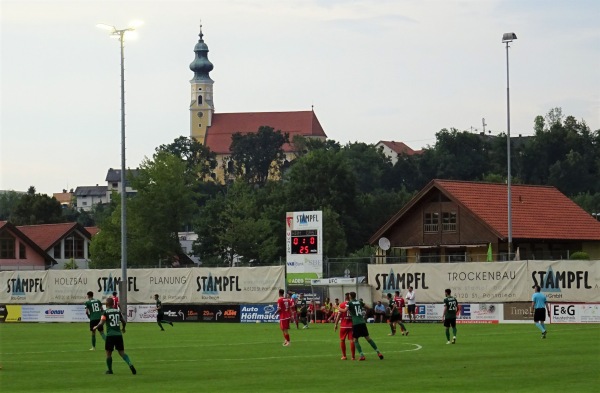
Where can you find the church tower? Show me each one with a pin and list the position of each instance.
(201, 105)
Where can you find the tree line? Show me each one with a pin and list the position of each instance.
(355, 185)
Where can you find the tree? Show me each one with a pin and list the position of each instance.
(33, 208)
(199, 160)
(8, 201)
(256, 156)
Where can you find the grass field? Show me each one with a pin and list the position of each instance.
(212, 357)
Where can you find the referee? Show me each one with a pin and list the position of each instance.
(540, 306)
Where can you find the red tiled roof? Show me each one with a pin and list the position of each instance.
(224, 125)
(538, 212)
(5, 225)
(46, 235)
(400, 148)
(92, 230)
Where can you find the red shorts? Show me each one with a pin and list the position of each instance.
(346, 333)
(284, 324)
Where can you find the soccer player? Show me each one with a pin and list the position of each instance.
(303, 310)
(114, 334)
(540, 306)
(283, 309)
(294, 311)
(395, 315)
(93, 309)
(410, 300)
(359, 326)
(400, 306)
(451, 310)
(345, 328)
(115, 299)
(160, 314)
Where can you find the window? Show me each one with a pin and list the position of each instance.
(199, 100)
(57, 251)
(429, 256)
(7, 246)
(432, 222)
(449, 221)
(22, 251)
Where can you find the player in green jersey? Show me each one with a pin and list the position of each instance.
(93, 309)
(113, 318)
(359, 326)
(451, 310)
(160, 314)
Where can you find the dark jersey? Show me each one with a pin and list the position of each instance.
(94, 309)
(112, 316)
(356, 310)
(302, 305)
(394, 307)
(451, 306)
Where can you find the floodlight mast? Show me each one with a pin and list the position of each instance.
(507, 38)
(120, 33)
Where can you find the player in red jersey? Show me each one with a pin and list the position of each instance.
(400, 304)
(284, 306)
(294, 316)
(345, 327)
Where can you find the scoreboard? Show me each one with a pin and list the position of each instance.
(304, 246)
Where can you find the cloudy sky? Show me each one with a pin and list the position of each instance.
(372, 69)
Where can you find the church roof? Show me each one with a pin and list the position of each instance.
(224, 125)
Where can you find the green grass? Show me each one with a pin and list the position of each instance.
(212, 357)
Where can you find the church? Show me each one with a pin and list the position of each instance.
(214, 130)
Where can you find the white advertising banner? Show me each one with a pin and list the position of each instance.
(574, 313)
(53, 313)
(185, 285)
(564, 281)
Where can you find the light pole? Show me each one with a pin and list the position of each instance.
(120, 34)
(506, 38)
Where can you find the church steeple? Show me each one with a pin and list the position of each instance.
(201, 106)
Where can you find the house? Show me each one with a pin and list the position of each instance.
(214, 130)
(19, 252)
(113, 181)
(64, 198)
(456, 221)
(63, 242)
(89, 196)
(394, 149)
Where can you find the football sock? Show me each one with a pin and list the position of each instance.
(357, 346)
(392, 328)
(402, 327)
(343, 346)
(454, 331)
(543, 326)
(109, 363)
(126, 358)
(448, 334)
(287, 337)
(539, 326)
(373, 345)
(103, 336)
(352, 348)
(94, 341)
(160, 324)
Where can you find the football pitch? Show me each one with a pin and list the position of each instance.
(213, 357)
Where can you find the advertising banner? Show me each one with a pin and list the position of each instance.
(183, 286)
(53, 313)
(574, 313)
(141, 313)
(256, 313)
(480, 313)
(518, 312)
(473, 282)
(19, 287)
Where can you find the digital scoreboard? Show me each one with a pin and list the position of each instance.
(304, 247)
(305, 241)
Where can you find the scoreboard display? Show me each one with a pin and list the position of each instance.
(305, 242)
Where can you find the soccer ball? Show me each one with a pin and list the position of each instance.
(257, 321)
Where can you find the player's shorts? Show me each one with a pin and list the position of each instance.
(160, 317)
(395, 318)
(113, 342)
(411, 308)
(360, 330)
(539, 315)
(95, 323)
(346, 332)
(284, 324)
(449, 322)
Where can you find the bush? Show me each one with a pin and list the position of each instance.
(580, 255)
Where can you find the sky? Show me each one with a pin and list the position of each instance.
(372, 70)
